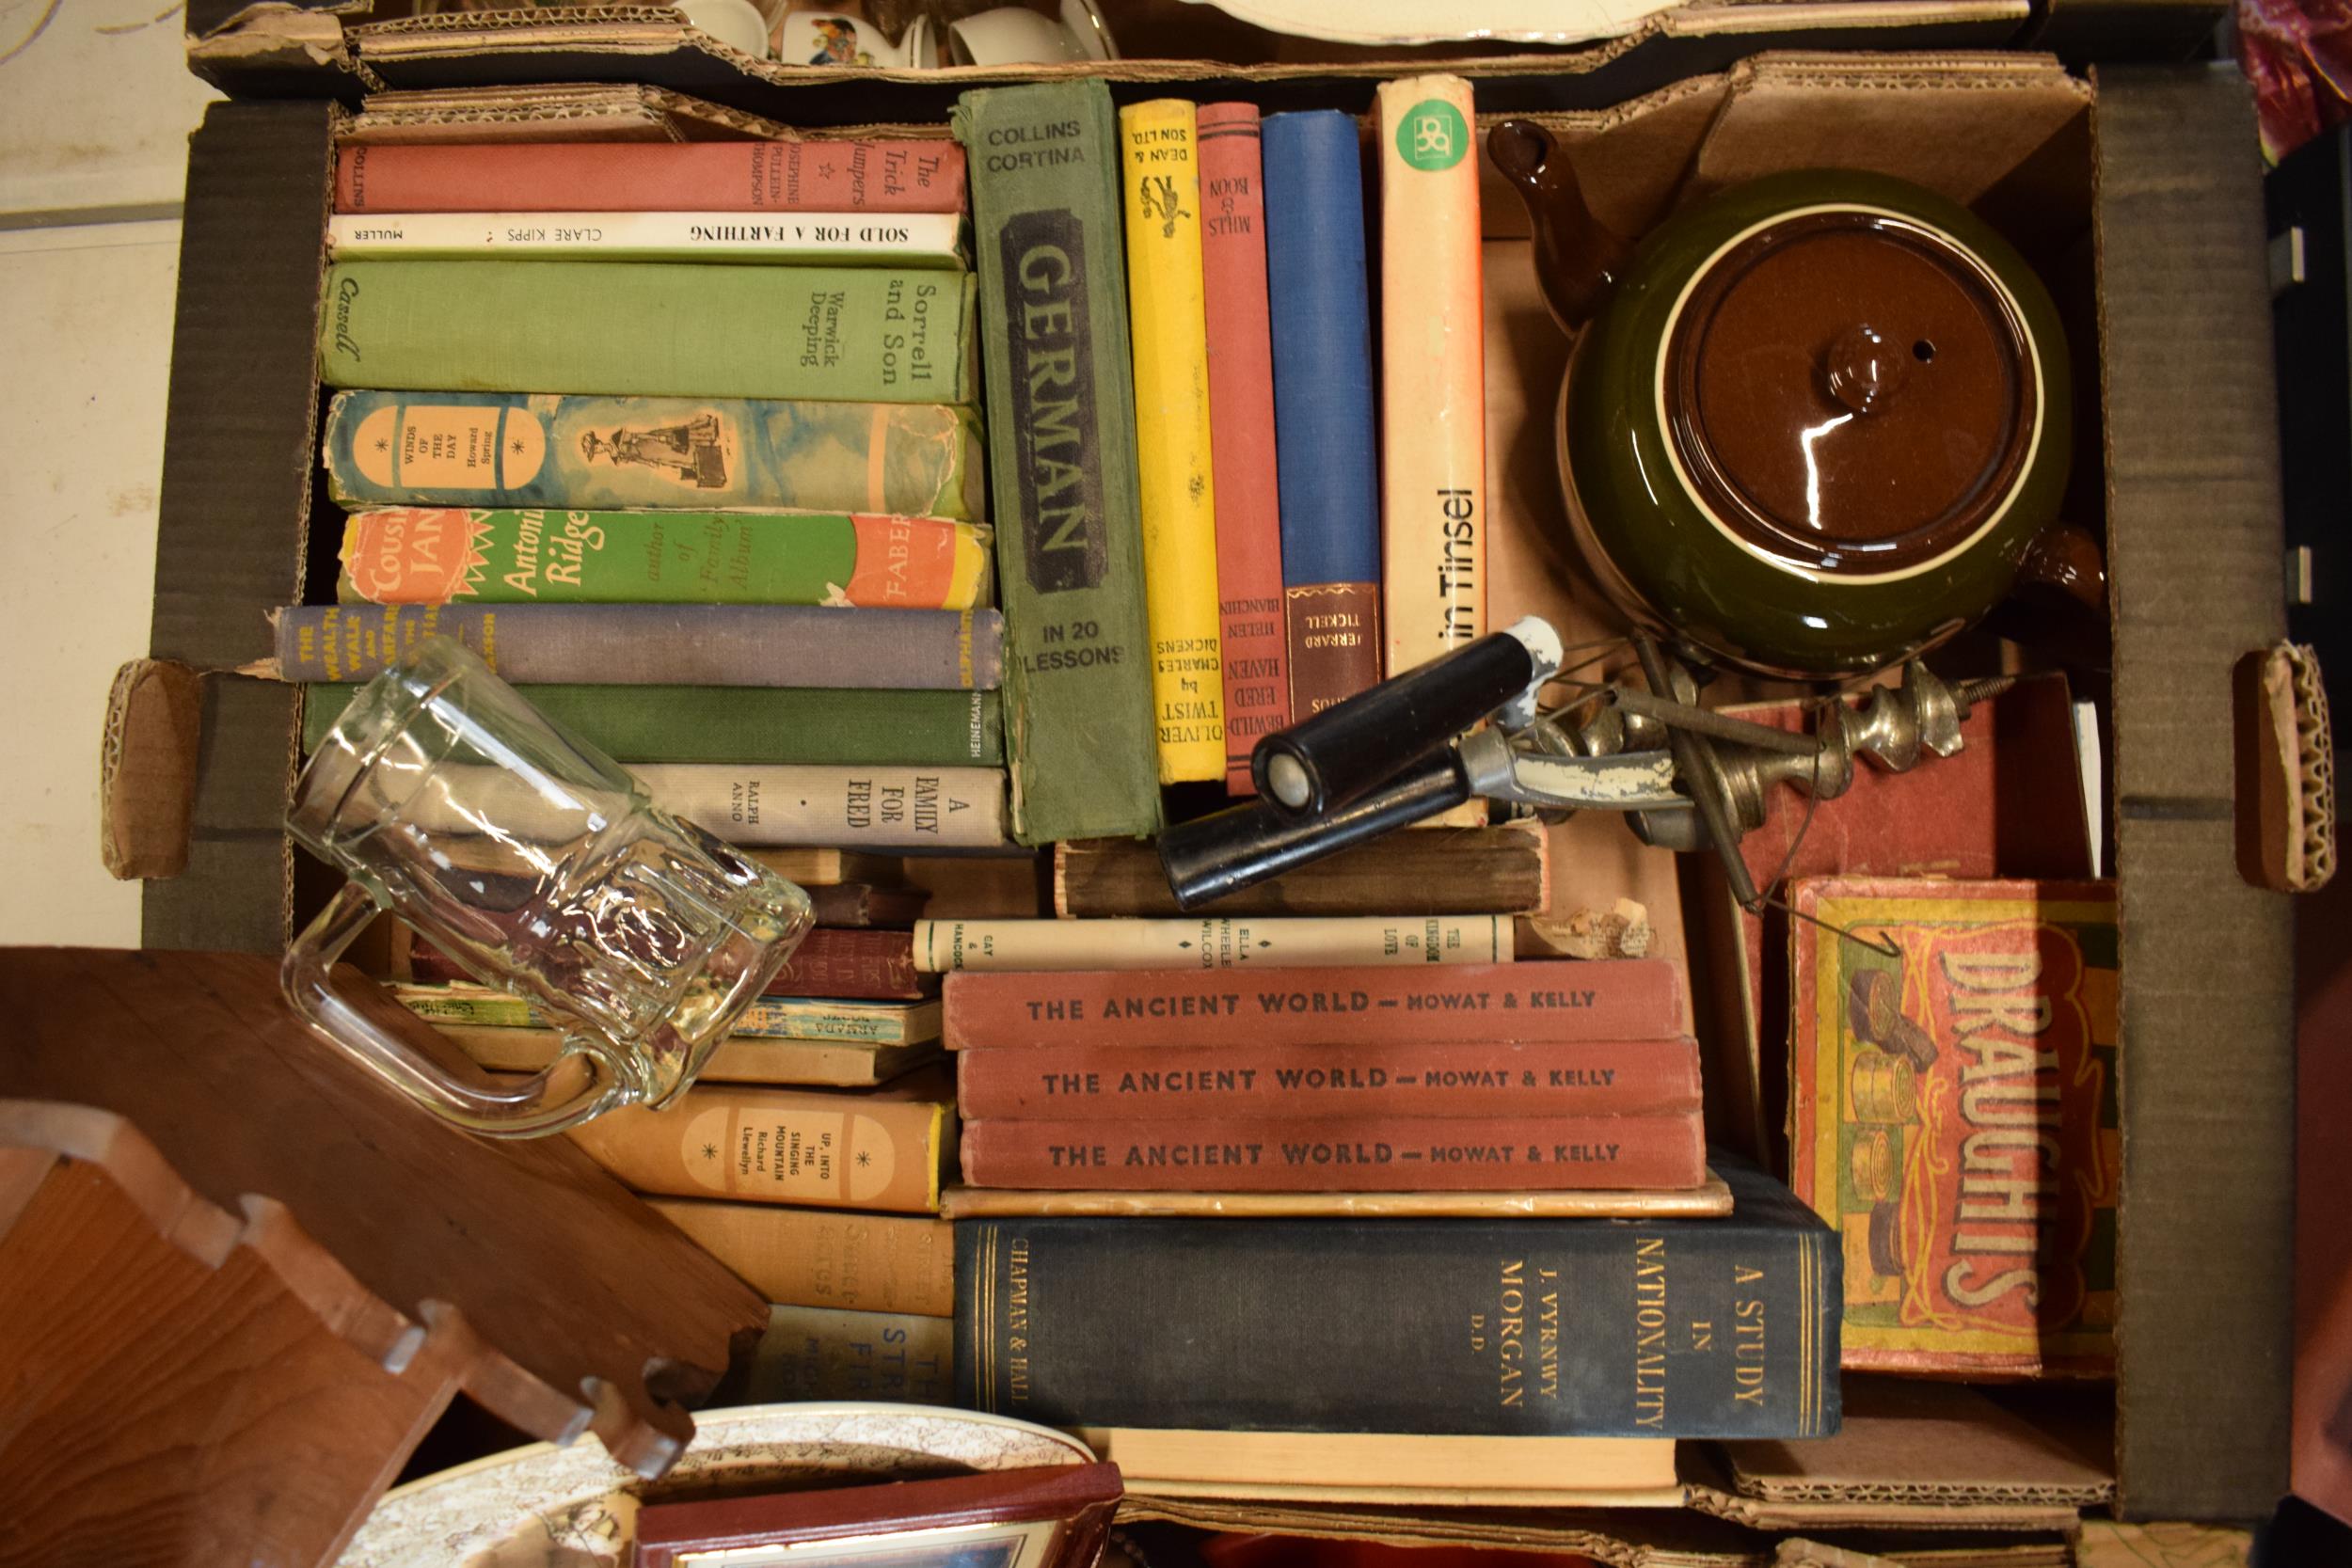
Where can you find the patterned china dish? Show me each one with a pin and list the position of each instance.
(1814, 424)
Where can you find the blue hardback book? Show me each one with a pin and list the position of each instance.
(1325, 446)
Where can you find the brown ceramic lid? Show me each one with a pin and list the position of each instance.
(1850, 391)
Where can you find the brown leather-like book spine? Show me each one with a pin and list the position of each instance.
(814, 1147)
(1114, 1083)
(845, 964)
(1334, 634)
(1609, 999)
(858, 906)
(647, 177)
(1416, 872)
(1342, 1154)
(819, 1257)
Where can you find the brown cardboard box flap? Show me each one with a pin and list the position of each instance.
(1621, 1538)
(146, 769)
(1907, 1440)
(1955, 123)
(584, 111)
(1256, 52)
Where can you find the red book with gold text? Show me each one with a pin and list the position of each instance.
(652, 176)
(1342, 1154)
(1612, 999)
(1245, 1080)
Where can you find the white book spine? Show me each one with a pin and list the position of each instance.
(1232, 941)
(900, 238)
(920, 809)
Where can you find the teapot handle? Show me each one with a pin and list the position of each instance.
(2065, 557)
(540, 1104)
(1578, 261)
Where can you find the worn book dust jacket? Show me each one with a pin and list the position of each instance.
(1953, 1116)
(1061, 428)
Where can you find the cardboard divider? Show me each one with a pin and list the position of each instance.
(344, 48)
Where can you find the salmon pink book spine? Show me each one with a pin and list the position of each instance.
(652, 176)
(1610, 999)
(1241, 435)
(1342, 1154)
(1112, 1083)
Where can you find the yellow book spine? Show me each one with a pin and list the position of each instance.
(1161, 181)
(1433, 500)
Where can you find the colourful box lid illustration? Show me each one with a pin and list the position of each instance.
(1952, 1115)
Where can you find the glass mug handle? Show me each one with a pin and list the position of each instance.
(529, 1109)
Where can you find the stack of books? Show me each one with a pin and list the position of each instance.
(1525, 1078)
(849, 1009)
(1321, 1195)
(1218, 539)
(808, 1156)
(680, 439)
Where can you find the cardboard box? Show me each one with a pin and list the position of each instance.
(2143, 193)
(345, 48)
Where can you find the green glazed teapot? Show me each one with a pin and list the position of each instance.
(1812, 425)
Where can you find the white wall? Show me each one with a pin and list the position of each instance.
(95, 108)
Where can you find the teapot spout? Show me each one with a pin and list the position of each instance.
(1578, 261)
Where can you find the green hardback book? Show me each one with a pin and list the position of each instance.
(1062, 424)
(846, 334)
(771, 1017)
(749, 724)
(520, 449)
(444, 555)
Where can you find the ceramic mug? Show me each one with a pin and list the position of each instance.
(537, 863)
(1013, 35)
(735, 22)
(838, 39)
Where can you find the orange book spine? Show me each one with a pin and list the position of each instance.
(827, 1258)
(1433, 382)
(806, 1147)
(1342, 1154)
(1433, 500)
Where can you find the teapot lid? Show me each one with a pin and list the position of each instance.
(1851, 390)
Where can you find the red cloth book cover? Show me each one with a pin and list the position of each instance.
(1241, 435)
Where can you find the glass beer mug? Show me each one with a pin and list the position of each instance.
(540, 866)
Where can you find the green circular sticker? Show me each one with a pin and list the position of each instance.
(1431, 135)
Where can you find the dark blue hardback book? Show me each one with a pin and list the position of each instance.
(1325, 462)
(1663, 1328)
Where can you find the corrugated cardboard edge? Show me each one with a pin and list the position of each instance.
(1620, 1538)
(2286, 783)
(289, 42)
(2206, 1065)
(603, 113)
(146, 769)
(1858, 1514)
(632, 27)
(233, 532)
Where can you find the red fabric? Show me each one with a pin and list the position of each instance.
(2299, 54)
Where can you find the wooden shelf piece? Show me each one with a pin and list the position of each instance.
(519, 1272)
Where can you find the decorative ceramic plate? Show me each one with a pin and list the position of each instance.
(545, 1507)
(1411, 21)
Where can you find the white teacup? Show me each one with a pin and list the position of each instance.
(1012, 36)
(735, 22)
